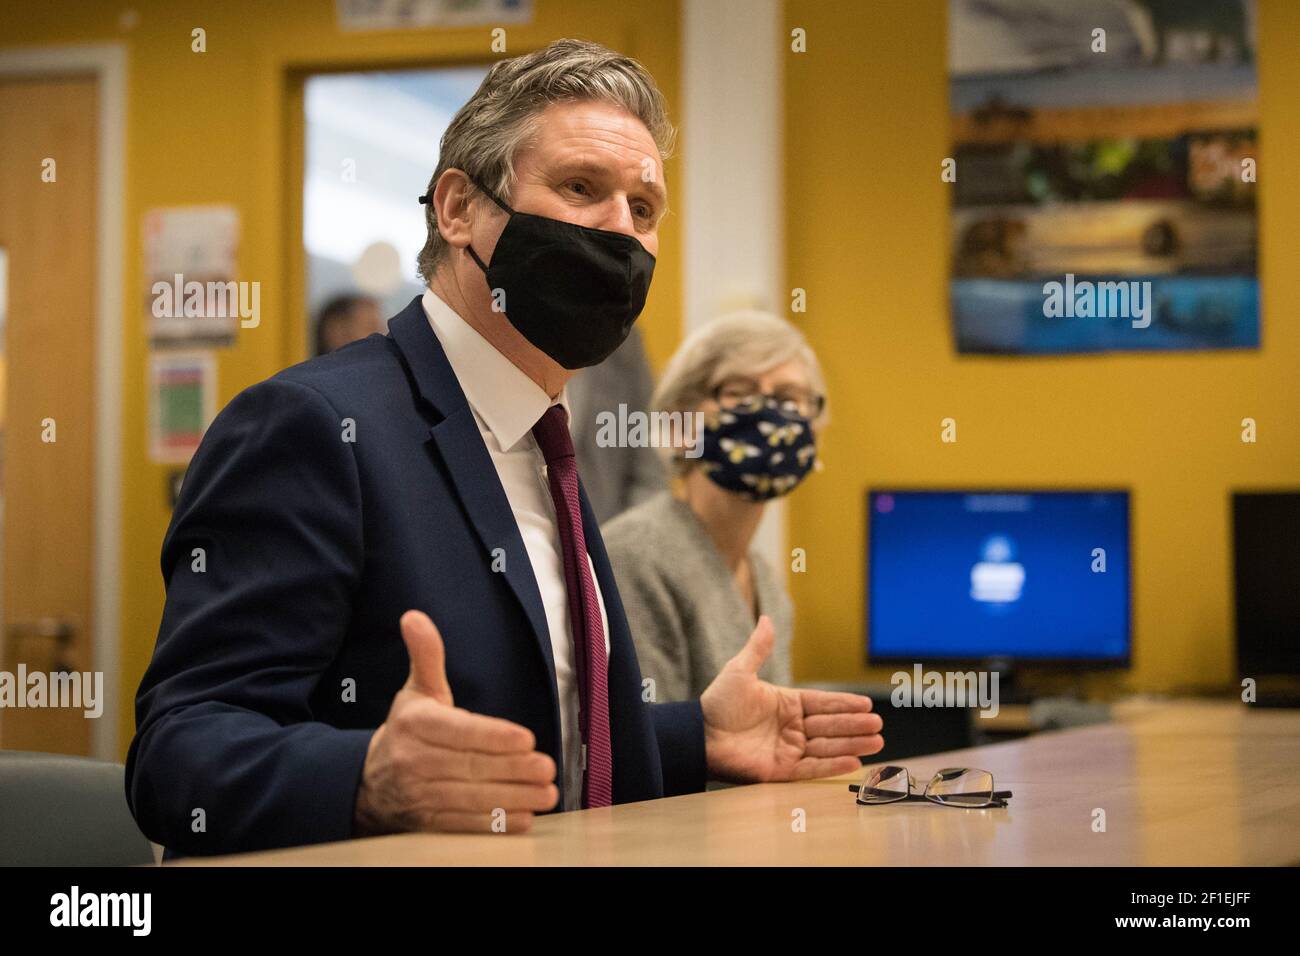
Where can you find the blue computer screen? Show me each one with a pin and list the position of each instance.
(964, 575)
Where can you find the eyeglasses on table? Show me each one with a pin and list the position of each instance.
(963, 787)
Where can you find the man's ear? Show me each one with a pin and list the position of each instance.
(452, 195)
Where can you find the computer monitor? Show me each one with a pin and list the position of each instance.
(1011, 576)
(1266, 575)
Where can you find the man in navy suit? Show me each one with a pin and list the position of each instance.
(300, 690)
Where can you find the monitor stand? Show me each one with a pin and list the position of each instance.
(1009, 691)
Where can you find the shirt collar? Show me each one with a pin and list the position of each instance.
(507, 400)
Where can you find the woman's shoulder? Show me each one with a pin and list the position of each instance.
(649, 517)
(646, 532)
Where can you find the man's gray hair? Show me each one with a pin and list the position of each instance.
(488, 131)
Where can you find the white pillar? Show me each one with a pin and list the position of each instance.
(733, 180)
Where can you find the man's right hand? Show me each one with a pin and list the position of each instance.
(434, 766)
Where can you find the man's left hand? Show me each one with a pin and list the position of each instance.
(755, 731)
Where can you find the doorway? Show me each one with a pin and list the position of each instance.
(371, 143)
(62, 121)
(47, 131)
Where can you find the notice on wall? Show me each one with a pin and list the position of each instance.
(423, 14)
(190, 260)
(182, 403)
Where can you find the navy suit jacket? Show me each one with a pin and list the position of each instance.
(322, 504)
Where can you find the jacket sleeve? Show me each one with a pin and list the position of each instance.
(260, 563)
(679, 728)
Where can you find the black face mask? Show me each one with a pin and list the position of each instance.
(570, 290)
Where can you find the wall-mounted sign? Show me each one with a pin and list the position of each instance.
(423, 14)
(182, 402)
(190, 262)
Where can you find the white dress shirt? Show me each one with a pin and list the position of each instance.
(507, 404)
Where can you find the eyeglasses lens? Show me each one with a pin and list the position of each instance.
(961, 787)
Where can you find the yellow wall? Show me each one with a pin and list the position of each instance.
(867, 217)
(217, 128)
(867, 122)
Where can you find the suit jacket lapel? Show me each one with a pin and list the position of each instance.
(456, 439)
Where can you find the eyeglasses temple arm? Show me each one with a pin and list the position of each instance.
(997, 794)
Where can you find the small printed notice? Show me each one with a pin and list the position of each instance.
(423, 14)
(190, 261)
(182, 403)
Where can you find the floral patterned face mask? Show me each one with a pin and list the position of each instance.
(757, 450)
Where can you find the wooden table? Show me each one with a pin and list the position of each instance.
(1189, 783)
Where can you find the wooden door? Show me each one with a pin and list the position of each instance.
(48, 198)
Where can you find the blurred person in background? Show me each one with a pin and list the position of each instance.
(347, 318)
(617, 477)
(692, 581)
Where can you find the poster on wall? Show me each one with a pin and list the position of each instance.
(190, 259)
(422, 14)
(182, 403)
(1104, 175)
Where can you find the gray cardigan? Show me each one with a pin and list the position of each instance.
(686, 614)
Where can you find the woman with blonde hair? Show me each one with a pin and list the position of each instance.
(692, 582)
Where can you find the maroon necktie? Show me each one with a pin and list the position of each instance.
(552, 433)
